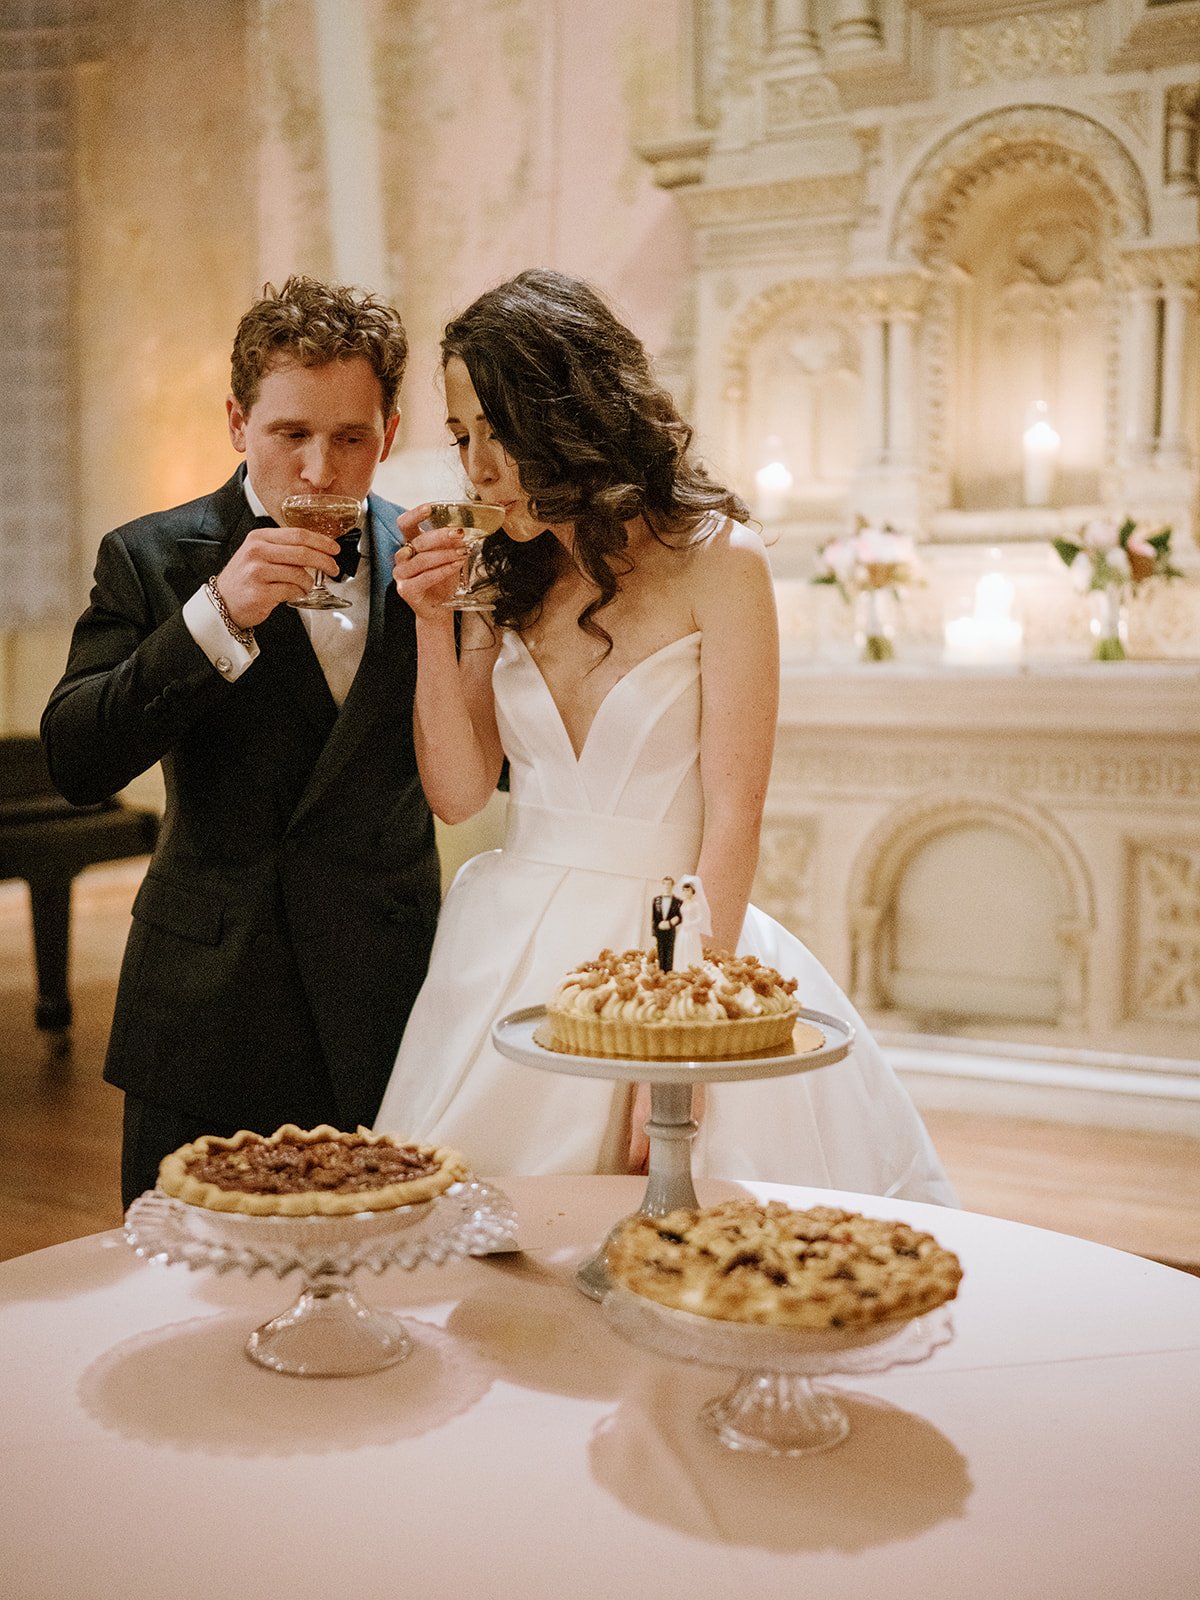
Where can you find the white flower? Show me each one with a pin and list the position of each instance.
(838, 557)
(1100, 536)
(1081, 572)
(876, 547)
(1117, 563)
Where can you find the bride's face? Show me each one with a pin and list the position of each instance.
(492, 471)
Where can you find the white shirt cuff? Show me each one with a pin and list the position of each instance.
(203, 622)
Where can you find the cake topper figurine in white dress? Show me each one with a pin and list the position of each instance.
(630, 675)
(695, 923)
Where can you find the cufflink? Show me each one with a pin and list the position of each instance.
(224, 665)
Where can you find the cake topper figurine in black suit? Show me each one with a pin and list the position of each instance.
(667, 913)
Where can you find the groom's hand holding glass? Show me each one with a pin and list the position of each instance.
(273, 566)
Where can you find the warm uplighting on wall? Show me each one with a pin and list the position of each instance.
(1040, 446)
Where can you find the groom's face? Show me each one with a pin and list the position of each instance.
(313, 428)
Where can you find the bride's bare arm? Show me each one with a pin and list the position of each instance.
(454, 717)
(739, 674)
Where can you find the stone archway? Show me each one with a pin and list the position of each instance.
(942, 182)
(885, 857)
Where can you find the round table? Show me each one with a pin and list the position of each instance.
(1052, 1447)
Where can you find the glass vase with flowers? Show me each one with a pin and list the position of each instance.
(1111, 560)
(868, 568)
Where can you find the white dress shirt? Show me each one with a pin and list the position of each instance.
(337, 637)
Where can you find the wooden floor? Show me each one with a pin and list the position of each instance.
(60, 1124)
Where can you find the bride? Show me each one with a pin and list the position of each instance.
(629, 674)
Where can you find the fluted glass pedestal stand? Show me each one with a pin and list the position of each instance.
(328, 1331)
(524, 1036)
(774, 1407)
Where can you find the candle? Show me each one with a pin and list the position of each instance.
(1040, 444)
(991, 635)
(772, 482)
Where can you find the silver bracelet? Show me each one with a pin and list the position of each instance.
(244, 636)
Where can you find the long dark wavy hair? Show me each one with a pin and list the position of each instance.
(568, 391)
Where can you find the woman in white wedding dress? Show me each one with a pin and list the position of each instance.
(630, 676)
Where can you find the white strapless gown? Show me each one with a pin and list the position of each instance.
(587, 844)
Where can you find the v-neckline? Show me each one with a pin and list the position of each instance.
(684, 638)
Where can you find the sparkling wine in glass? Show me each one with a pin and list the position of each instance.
(477, 520)
(332, 515)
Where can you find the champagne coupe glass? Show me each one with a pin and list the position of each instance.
(332, 515)
(477, 520)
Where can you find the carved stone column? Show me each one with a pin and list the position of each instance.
(792, 32)
(1172, 447)
(856, 25)
(1140, 377)
(874, 395)
(1182, 141)
(901, 399)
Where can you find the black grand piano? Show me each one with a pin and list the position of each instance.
(47, 841)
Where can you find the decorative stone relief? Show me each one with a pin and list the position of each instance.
(1160, 267)
(899, 292)
(1164, 961)
(1006, 141)
(804, 198)
(856, 769)
(794, 101)
(783, 885)
(1131, 107)
(1034, 46)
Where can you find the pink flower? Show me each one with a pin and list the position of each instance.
(1100, 536)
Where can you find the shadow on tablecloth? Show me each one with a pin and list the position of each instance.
(894, 1477)
(191, 1386)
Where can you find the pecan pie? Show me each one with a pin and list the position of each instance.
(626, 1005)
(742, 1261)
(298, 1173)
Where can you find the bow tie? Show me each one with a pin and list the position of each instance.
(348, 555)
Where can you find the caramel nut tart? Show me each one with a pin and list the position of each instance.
(625, 1005)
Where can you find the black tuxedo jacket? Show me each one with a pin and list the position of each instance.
(284, 925)
(663, 908)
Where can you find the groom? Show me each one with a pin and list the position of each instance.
(284, 925)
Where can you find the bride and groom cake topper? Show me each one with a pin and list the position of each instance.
(681, 920)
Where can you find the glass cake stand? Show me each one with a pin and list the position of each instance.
(774, 1407)
(818, 1041)
(328, 1331)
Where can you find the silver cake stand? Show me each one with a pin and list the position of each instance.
(523, 1035)
(329, 1331)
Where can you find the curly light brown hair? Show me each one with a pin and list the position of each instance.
(308, 323)
(570, 393)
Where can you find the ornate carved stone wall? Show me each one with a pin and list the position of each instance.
(1098, 777)
(963, 178)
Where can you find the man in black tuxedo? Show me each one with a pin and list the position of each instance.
(284, 925)
(667, 913)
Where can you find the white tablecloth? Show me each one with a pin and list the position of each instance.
(1051, 1449)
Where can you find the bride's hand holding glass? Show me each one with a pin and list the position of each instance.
(428, 565)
